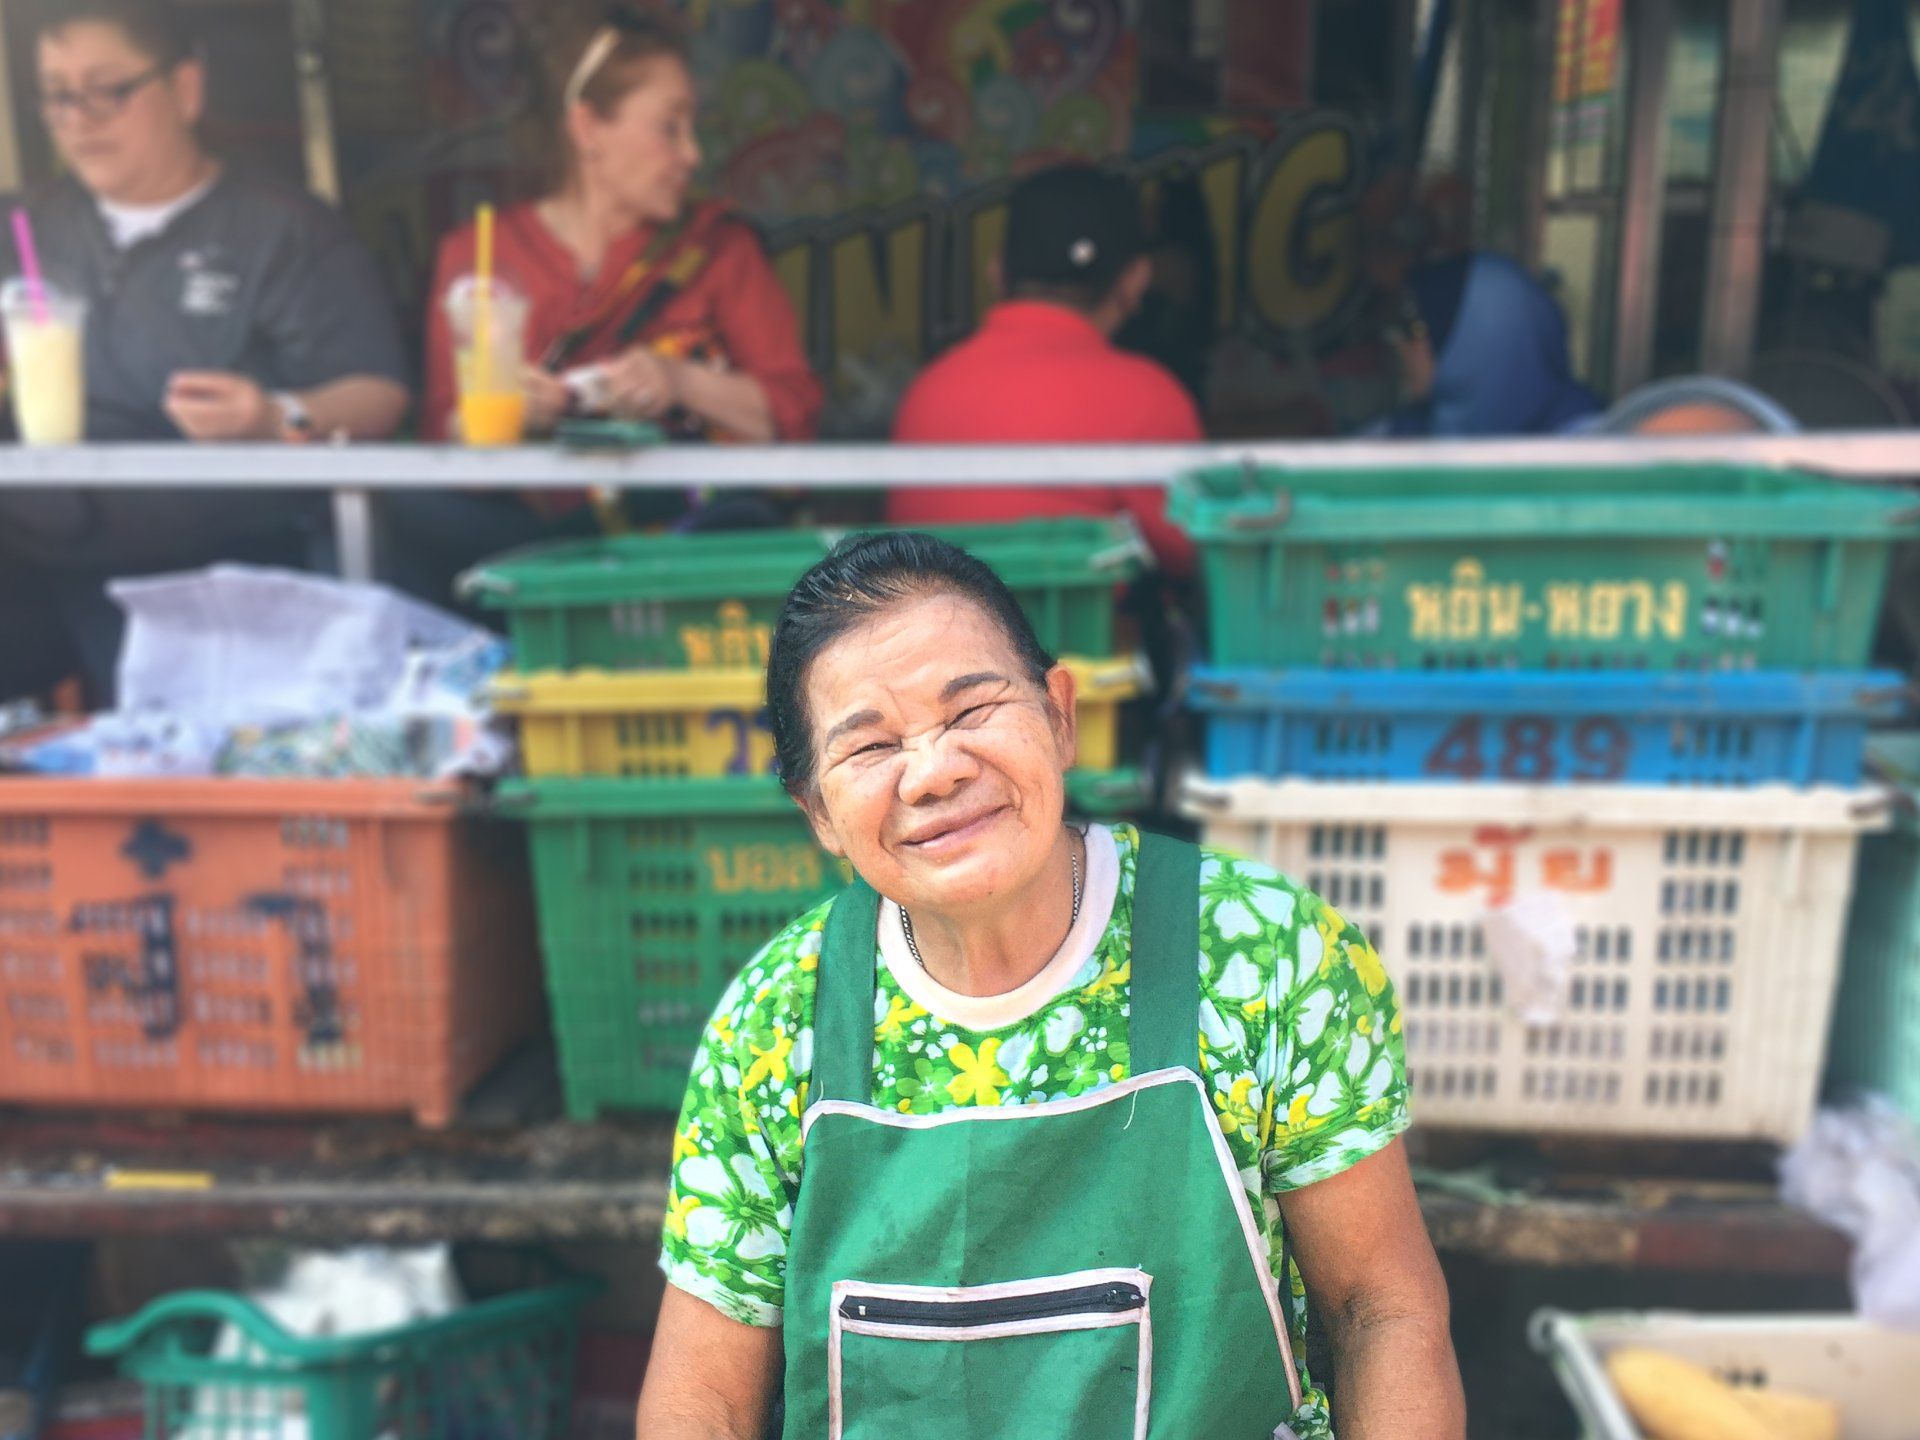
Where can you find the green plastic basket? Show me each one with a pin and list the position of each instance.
(1667, 567)
(710, 600)
(1876, 1019)
(215, 1366)
(653, 893)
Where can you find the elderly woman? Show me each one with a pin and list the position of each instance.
(1035, 1131)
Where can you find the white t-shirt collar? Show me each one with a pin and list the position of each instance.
(996, 1012)
(128, 225)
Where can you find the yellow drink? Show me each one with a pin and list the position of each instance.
(49, 388)
(489, 327)
(46, 355)
(493, 418)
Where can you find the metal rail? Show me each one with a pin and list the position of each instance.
(354, 473)
(1863, 455)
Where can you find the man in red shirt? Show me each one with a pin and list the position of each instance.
(1043, 366)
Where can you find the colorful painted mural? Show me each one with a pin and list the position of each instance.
(818, 107)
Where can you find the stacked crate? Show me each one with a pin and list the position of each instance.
(1594, 735)
(665, 851)
(262, 945)
(1876, 1021)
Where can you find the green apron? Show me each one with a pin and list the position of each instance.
(1083, 1269)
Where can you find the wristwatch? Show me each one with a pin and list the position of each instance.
(295, 420)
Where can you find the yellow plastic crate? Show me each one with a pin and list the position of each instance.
(697, 724)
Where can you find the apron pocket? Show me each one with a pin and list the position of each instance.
(1066, 1356)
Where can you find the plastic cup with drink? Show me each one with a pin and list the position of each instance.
(46, 350)
(46, 363)
(489, 322)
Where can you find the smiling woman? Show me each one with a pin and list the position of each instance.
(1025, 1132)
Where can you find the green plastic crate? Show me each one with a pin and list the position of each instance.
(653, 893)
(1663, 567)
(710, 600)
(215, 1366)
(1876, 1020)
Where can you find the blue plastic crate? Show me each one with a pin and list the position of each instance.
(1543, 727)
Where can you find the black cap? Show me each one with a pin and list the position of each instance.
(1071, 225)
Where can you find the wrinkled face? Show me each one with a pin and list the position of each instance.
(116, 118)
(939, 767)
(644, 154)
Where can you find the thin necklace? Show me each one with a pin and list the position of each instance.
(1073, 859)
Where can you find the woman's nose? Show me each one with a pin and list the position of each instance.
(935, 768)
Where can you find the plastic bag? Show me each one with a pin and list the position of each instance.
(241, 643)
(239, 670)
(1858, 1169)
(324, 1293)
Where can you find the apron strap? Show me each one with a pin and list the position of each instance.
(1163, 1028)
(843, 1005)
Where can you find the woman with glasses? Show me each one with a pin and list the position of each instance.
(221, 305)
(645, 304)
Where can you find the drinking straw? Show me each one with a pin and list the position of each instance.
(30, 263)
(482, 300)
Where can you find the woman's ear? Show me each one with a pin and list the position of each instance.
(1061, 696)
(581, 126)
(189, 82)
(823, 829)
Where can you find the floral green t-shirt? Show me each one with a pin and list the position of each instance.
(1299, 1048)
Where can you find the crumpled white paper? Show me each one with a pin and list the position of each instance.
(1531, 943)
(1858, 1169)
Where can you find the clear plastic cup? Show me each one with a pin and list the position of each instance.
(46, 363)
(489, 351)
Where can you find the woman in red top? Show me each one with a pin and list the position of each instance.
(652, 308)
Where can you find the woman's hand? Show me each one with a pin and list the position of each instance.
(547, 399)
(214, 405)
(644, 386)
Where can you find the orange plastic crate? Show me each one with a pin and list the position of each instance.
(304, 945)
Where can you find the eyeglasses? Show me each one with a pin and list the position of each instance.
(96, 102)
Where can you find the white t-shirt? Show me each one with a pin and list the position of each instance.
(130, 224)
(995, 1012)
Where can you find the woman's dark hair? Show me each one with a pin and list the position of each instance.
(592, 53)
(864, 576)
(608, 60)
(155, 27)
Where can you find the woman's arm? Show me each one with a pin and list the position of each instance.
(216, 405)
(1372, 1275)
(708, 1377)
(437, 396)
(761, 337)
(365, 407)
(727, 400)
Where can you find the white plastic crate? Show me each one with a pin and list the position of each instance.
(1706, 930)
(1867, 1370)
